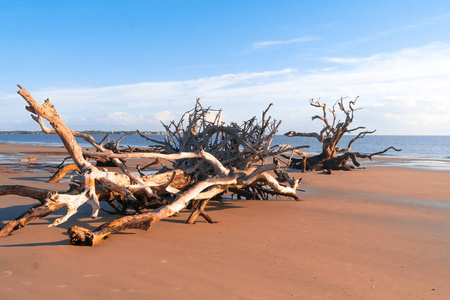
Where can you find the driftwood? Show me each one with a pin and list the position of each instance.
(332, 156)
(34, 213)
(207, 159)
(62, 171)
(46, 207)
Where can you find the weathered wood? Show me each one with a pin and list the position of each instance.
(333, 157)
(24, 191)
(48, 111)
(36, 212)
(199, 211)
(59, 175)
(84, 237)
(208, 159)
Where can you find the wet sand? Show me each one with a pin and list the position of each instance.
(377, 233)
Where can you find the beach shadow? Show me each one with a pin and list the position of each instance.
(55, 243)
(227, 204)
(182, 216)
(32, 178)
(82, 218)
(171, 220)
(11, 212)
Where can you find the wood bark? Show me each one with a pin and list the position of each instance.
(208, 159)
(24, 191)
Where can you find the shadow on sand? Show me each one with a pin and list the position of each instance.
(82, 218)
(55, 243)
(32, 178)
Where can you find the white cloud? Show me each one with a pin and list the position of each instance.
(122, 117)
(403, 92)
(165, 116)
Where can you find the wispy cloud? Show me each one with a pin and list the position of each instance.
(200, 66)
(343, 60)
(397, 89)
(418, 24)
(266, 44)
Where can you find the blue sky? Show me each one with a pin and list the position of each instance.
(129, 64)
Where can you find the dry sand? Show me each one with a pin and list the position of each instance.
(378, 233)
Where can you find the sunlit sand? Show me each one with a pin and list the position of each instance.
(375, 233)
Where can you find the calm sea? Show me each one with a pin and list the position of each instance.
(422, 148)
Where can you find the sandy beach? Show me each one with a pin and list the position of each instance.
(375, 233)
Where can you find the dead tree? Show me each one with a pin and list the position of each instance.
(332, 156)
(208, 159)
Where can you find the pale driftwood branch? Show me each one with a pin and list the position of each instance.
(48, 112)
(281, 149)
(97, 146)
(36, 212)
(282, 190)
(45, 208)
(305, 134)
(82, 135)
(183, 155)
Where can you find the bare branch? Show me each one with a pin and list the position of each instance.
(330, 136)
(310, 134)
(360, 135)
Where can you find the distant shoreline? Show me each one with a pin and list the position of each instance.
(87, 132)
(417, 147)
(14, 151)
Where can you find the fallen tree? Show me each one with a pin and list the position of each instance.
(332, 156)
(207, 159)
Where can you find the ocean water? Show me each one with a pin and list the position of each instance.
(420, 147)
(429, 152)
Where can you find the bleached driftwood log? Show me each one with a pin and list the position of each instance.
(208, 159)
